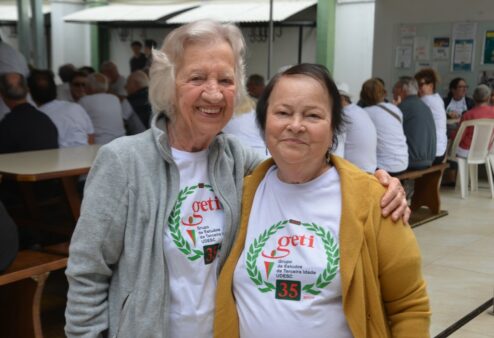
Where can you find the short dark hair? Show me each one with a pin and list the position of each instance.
(455, 82)
(428, 75)
(65, 72)
(136, 43)
(42, 86)
(86, 70)
(256, 79)
(320, 74)
(78, 74)
(13, 91)
(150, 43)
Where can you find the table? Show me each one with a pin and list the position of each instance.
(65, 164)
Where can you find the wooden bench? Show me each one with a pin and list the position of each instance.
(426, 187)
(21, 288)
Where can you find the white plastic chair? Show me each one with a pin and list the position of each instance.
(478, 154)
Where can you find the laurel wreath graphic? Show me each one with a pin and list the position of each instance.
(254, 250)
(174, 223)
(326, 276)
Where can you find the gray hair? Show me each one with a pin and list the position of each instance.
(140, 78)
(408, 84)
(13, 90)
(481, 94)
(97, 83)
(164, 67)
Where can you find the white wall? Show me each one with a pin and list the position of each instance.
(70, 42)
(391, 13)
(354, 31)
(285, 48)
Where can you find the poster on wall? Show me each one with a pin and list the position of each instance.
(403, 59)
(440, 49)
(488, 58)
(462, 55)
(421, 50)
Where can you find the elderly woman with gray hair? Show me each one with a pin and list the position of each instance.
(161, 208)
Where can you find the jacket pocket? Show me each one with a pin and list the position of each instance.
(123, 315)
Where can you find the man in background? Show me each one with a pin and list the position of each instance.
(25, 128)
(65, 72)
(255, 86)
(418, 124)
(116, 83)
(138, 60)
(137, 100)
(73, 123)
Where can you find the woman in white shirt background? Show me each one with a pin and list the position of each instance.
(428, 80)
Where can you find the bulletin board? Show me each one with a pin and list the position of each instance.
(454, 49)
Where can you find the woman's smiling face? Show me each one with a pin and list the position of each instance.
(298, 121)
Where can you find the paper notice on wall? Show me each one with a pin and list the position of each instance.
(421, 48)
(464, 31)
(408, 31)
(403, 58)
(440, 48)
(462, 55)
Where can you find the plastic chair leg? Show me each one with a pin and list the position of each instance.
(473, 169)
(463, 176)
(490, 171)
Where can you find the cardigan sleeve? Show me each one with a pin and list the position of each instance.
(403, 288)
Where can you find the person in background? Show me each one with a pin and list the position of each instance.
(428, 80)
(78, 86)
(481, 110)
(314, 257)
(138, 60)
(104, 109)
(149, 45)
(86, 70)
(11, 61)
(255, 85)
(137, 100)
(25, 128)
(418, 124)
(392, 149)
(65, 72)
(360, 133)
(9, 239)
(117, 82)
(243, 125)
(161, 208)
(457, 102)
(73, 123)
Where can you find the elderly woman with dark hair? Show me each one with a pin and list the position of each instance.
(161, 208)
(314, 256)
(457, 102)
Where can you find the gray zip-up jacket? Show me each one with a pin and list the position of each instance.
(117, 270)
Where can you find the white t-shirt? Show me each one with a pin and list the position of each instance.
(63, 92)
(245, 128)
(457, 106)
(285, 282)
(192, 242)
(105, 112)
(436, 105)
(361, 138)
(72, 121)
(392, 148)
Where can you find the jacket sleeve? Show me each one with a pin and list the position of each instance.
(96, 246)
(403, 288)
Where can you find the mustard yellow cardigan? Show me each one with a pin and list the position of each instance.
(384, 294)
